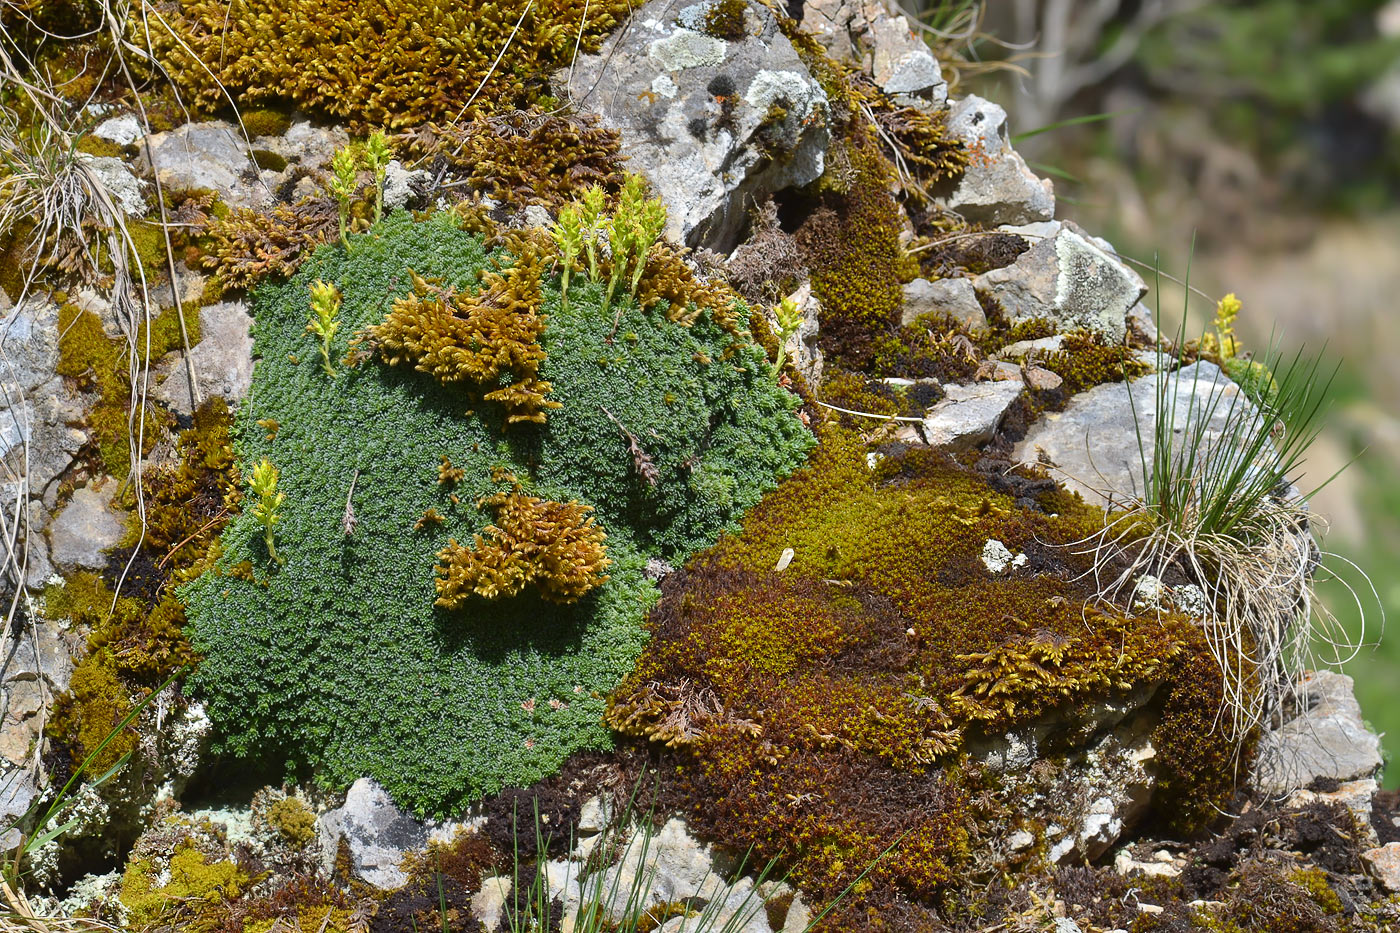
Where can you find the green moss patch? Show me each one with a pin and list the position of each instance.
(339, 658)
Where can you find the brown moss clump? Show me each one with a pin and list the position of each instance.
(136, 639)
(386, 64)
(725, 20)
(195, 893)
(527, 156)
(249, 245)
(293, 821)
(476, 339)
(189, 502)
(85, 716)
(1085, 360)
(265, 121)
(818, 713)
(553, 546)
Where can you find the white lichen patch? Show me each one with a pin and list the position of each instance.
(997, 557)
(663, 86)
(768, 87)
(1190, 600)
(1148, 593)
(686, 48)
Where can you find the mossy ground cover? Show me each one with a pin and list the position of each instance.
(819, 713)
(338, 659)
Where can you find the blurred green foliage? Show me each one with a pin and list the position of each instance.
(1282, 78)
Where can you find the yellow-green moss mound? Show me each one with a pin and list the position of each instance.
(819, 712)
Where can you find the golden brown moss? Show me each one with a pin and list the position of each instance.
(194, 895)
(388, 64)
(248, 245)
(293, 820)
(851, 244)
(553, 546)
(99, 363)
(476, 340)
(85, 716)
(818, 712)
(527, 156)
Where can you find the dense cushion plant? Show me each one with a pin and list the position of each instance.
(338, 658)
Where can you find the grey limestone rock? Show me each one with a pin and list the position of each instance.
(954, 297)
(377, 833)
(802, 347)
(870, 35)
(713, 124)
(969, 415)
(17, 792)
(903, 66)
(1327, 739)
(1092, 447)
(401, 186)
(1070, 279)
(123, 130)
(1383, 864)
(211, 155)
(124, 187)
(80, 534)
(223, 359)
(997, 187)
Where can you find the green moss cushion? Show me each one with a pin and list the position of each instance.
(338, 659)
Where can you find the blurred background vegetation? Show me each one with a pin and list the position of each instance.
(1267, 134)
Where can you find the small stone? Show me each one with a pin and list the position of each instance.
(1066, 925)
(968, 415)
(537, 216)
(1148, 593)
(732, 123)
(211, 155)
(784, 559)
(1020, 840)
(401, 185)
(124, 130)
(17, 793)
(81, 534)
(997, 187)
(121, 184)
(593, 816)
(1097, 445)
(1041, 379)
(489, 904)
(1383, 864)
(1327, 740)
(954, 297)
(1023, 349)
(1159, 867)
(1069, 280)
(996, 557)
(377, 832)
(903, 65)
(223, 359)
